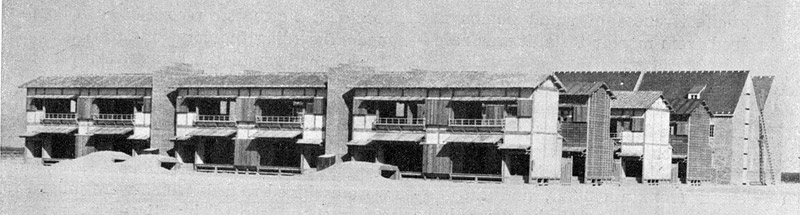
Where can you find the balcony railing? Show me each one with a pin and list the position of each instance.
(113, 117)
(279, 119)
(478, 122)
(59, 116)
(614, 135)
(400, 121)
(213, 118)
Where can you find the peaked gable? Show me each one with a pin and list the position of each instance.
(761, 86)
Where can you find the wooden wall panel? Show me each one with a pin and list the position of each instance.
(228, 91)
(126, 91)
(699, 165)
(599, 152)
(52, 91)
(246, 109)
(415, 92)
(84, 108)
(390, 92)
(436, 159)
(319, 106)
(525, 108)
(469, 92)
(207, 91)
(271, 92)
(493, 92)
(147, 105)
(293, 92)
(246, 153)
(71, 91)
(438, 112)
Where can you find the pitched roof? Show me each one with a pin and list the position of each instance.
(686, 106)
(585, 88)
(92, 81)
(635, 99)
(615, 80)
(723, 88)
(450, 79)
(762, 85)
(298, 79)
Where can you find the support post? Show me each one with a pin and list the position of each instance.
(505, 165)
(82, 146)
(199, 152)
(47, 147)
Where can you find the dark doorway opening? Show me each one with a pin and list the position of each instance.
(405, 155)
(474, 158)
(218, 150)
(63, 146)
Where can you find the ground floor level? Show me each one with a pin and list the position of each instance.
(224, 154)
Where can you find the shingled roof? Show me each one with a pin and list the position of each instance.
(92, 81)
(623, 81)
(585, 88)
(762, 85)
(450, 79)
(683, 106)
(723, 88)
(298, 79)
(635, 99)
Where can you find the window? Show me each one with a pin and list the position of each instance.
(711, 130)
(694, 96)
(565, 114)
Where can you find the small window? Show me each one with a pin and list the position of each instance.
(565, 114)
(511, 110)
(694, 96)
(711, 130)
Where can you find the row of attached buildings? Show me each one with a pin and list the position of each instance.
(566, 127)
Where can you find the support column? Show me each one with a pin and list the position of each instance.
(82, 146)
(245, 154)
(32, 148)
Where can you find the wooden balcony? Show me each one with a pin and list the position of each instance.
(214, 121)
(399, 124)
(279, 122)
(476, 125)
(59, 118)
(113, 119)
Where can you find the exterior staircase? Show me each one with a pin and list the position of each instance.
(767, 170)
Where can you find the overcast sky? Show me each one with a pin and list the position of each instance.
(70, 37)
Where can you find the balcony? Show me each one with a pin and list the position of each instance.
(399, 124)
(476, 125)
(59, 118)
(113, 119)
(279, 122)
(214, 121)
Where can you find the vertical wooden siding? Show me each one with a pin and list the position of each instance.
(599, 157)
(699, 165)
(436, 159)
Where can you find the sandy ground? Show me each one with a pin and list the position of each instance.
(32, 189)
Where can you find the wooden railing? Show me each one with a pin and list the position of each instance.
(400, 121)
(213, 118)
(113, 117)
(59, 116)
(279, 119)
(477, 122)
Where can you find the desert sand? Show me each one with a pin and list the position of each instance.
(139, 186)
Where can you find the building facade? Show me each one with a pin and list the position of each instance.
(584, 110)
(640, 122)
(457, 125)
(691, 150)
(71, 116)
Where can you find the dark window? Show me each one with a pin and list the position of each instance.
(565, 114)
(711, 130)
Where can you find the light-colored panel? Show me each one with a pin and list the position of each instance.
(632, 150)
(319, 121)
(369, 120)
(657, 162)
(525, 124)
(147, 119)
(511, 124)
(308, 121)
(138, 118)
(182, 131)
(307, 134)
(358, 122)
(181, 119)
(31, 117)
(362, 135)
(432, 138)
(141, 130)
(545, 157)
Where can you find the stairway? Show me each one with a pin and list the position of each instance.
(767, 171)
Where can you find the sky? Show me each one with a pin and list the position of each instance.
(103, 37)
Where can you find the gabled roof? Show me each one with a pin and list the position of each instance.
(298, 79)
(683, 106)
(723, 88)
(585, 88)
(762, 85)
(623, 81)
(697, 89)
(450, 79)
(635, 99)
(92, 81)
